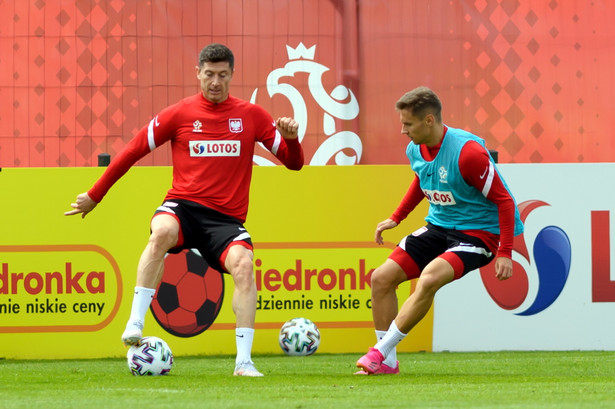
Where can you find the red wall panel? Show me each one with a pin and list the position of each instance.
(533, 78)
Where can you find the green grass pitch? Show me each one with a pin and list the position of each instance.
(428, 380)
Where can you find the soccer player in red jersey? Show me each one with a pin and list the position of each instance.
(472, 220)
(212, 136)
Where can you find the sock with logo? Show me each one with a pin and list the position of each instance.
(391, 358)
(390, 340)
(243, 339)
(140, 303)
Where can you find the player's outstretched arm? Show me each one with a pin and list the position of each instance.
(382, 226)
(83, 205)
(288, 127)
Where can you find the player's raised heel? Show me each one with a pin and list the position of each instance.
(371, 362)
(246, 369)
(133, 333)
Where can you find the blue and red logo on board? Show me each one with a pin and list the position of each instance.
(551, 251)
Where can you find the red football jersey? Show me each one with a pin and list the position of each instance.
(212, 148)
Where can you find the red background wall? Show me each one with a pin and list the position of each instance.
(533, 78)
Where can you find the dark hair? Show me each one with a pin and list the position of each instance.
(421, 101)
(216, 53)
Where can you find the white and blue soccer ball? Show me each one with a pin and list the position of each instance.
(151, 357)
(299, 337)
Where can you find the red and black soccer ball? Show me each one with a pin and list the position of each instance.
(189, 296)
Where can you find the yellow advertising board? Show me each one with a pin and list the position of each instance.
(67, 282)
(58, 288)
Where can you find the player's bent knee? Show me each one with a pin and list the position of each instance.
(387, 276)
(163, 238)
(243, 279)
(381, 281)
(164, 230)
(431, 282)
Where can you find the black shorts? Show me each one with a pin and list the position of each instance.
(204, 229)
(429, 242)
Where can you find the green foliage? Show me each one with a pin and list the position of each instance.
(428, 380)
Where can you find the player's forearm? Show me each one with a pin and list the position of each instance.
(411, 199)
(292, 155)
(506, 214)
(124, 160)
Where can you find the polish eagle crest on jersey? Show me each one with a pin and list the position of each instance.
(235, 125)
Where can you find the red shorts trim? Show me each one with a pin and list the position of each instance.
(406, 263)
(180, 234)
(222, 258)
(455, 261)
(413, 271)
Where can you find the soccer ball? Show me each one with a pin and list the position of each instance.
(151, 357)
(299, 337)
(189, 296)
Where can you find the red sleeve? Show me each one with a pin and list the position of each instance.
(158, 131)
(411, 199)
(288, 151)
(478, 170)
(132, 152)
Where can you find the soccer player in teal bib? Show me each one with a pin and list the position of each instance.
(472, 220)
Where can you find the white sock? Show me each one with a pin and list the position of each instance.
(390, 340)
(391, 358)
(140, 303)
(243, 339)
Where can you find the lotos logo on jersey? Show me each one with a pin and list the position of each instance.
(215, 148)
(439, 197)
(551, 254)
